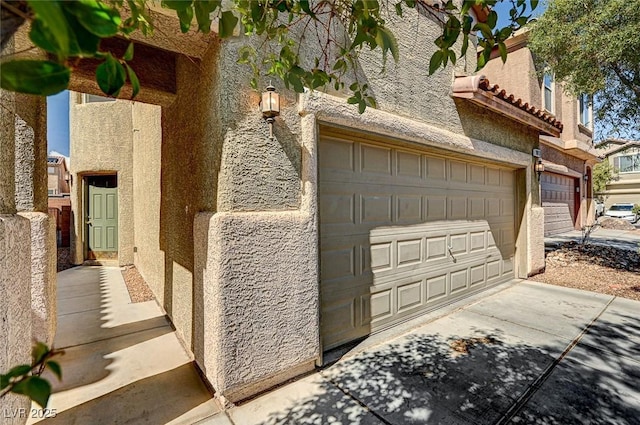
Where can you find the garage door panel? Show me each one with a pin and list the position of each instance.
(436, 169)
(409, 208)
(476, 174)
(409, 164)
(558, 201)
(457, 171)
(375, 159)
(337, 155)
(417, 231)
(376, 209)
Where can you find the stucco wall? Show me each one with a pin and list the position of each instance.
(43, 276)
(147, 140)
(516, 76)
(15, 304)
(101, 136)
(190, 163)
(31, 153)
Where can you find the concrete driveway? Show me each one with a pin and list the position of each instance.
(529, 353)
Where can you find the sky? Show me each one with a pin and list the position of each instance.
(58, 123)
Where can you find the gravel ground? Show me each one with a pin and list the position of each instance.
(64, 259)
(591, 267)
(138, 289)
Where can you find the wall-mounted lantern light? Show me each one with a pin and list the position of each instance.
(270, 106)
(586, 178)
(539, 167)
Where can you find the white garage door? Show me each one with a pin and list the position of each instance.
(403, 231)
(558, 201)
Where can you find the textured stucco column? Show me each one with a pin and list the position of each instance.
(260, 292)
(535, 250)
(258, 272)
(31, 203)
(43, 276)
(15, 311)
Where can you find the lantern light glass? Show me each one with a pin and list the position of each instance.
(270, 103)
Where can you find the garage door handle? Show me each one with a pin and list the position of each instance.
(449, 247)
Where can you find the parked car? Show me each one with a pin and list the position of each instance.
(623, 211)
(599, 208)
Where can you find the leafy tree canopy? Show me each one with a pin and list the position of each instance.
(593, 47)
(72, 30)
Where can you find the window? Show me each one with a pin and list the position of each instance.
(627, 163)
(584, 105)
(51, 170)
(548, 91)
(92, 98)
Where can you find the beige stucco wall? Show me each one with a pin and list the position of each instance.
(518, 76)
(101, 136)
(15, 301)
(147, 140)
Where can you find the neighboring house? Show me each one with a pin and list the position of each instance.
(59, 202)
(267, 252)
(624, 157)
(566, 186)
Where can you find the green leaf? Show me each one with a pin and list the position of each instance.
(387, 41)
(465, 45)
(55, 368)
(133, 79)
(52, 17)
(42, 37)
(186, 16)
(483, 58)
(42, 78)
(36, 388)
(203, 9)
(176, 4)
(362, 106)
(82, 42)
(452, 56)
(492, 19)
(399, 9)
(128, 54)
(96, 17)
(534, 4)
(4, 381)
(353, 100)
(503, 51)
(18, 371)
(227, 24)
(435, 61)
(110, 76)
(304, 5)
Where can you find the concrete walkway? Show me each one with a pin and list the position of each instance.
(522, 353)
(123, 362)
(537, 354)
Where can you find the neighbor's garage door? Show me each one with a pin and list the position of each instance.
(403, 231)
(558, 201)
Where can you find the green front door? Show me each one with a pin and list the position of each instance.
(102, 219)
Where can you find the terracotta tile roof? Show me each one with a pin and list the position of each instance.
(478, 89)
(502, 94)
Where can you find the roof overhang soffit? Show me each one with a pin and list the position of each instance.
(468, 88)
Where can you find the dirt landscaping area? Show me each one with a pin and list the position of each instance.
(599, 268)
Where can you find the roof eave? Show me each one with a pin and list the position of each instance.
(488, 101)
